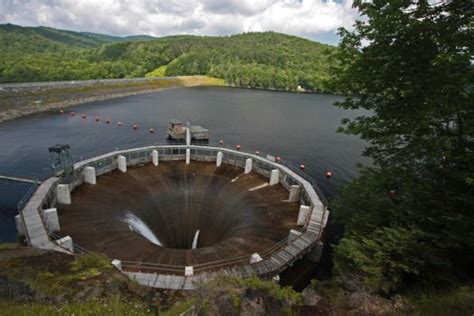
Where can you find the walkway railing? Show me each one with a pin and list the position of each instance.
(207, 266)
(128, 146)
(105, 161)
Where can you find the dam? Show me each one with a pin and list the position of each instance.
(171, 216)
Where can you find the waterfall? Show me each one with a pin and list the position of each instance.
(195, 240)
(138, 226)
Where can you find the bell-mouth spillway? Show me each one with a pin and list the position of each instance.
(169, 216)
(172, 202)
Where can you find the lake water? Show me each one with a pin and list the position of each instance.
(297, 127)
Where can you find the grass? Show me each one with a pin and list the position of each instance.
(158, 72)
(457, 301)
(56, 279)
(234, 289)
(275, 290)
(111, 306)
(180, 308)
(8, 246)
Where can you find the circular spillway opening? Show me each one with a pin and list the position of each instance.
(172, 216)
(157, 214)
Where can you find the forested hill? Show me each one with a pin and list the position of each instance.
(263, 60)
(17, 39)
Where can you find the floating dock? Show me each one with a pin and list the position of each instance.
(177, 131)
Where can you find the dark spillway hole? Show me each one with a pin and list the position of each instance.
(174, 213)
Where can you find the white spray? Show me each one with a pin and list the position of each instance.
(138, 226)
(195, 240)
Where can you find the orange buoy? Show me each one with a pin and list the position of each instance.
(257, 152)
(72, 113)
(278, 158)
(97, 119)
(328, 174)
(237, 147)
(302, 167)
(119, 123)
(84, 116)
(135, 126)
(221, 142)
(151, 130)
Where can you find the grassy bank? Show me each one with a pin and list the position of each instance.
(17, 101)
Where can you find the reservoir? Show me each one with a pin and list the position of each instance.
(297, 127)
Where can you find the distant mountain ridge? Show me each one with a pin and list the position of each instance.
(44, 38)
(266, 60)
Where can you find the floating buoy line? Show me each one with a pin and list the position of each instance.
(151, 130)
(107, 120)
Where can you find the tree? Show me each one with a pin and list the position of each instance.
(409, 63)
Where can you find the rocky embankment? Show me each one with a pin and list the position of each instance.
(21, 99)
(36, 282)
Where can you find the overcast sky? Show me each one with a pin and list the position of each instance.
(313, 19)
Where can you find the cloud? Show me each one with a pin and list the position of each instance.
(314, 19)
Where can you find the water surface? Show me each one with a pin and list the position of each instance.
(297, 127)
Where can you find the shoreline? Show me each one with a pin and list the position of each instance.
(23, 99)
(29, 110)
(18, 100)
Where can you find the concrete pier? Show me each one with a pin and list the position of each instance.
(294, 195)
(63, 194)
(122, 163)
(188, 271)
(154, 157)
(316, 253)
(255, 257)
(51, 220)
(65, 242)
(117, 263)
(303, 214)
(219, 159)
(89, 175)
(188, 156)
(274, 177)
(293, 235)
(20, 228)
(248, 165)
(188, 136)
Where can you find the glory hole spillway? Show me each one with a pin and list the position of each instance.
(174, 201)
(171, 215)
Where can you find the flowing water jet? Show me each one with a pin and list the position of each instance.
(136, 225)
(195, 240)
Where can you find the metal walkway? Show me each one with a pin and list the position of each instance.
(19, 179)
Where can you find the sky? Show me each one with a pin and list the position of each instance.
(313, 19)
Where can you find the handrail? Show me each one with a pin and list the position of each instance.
(207, 265)
(131, 146)
(211, 264)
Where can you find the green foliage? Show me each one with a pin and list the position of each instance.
(260, 60)
(158, 72)
(8, 246)
(458, 301)
(110, 306)
(180, 308)
(52, 281)
(386, 257)
(409, 217)
(275, 290)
